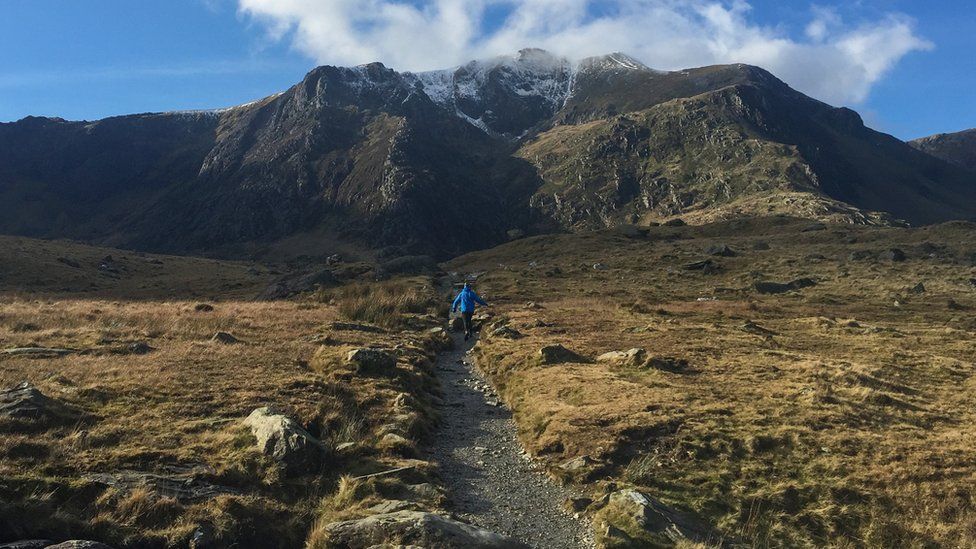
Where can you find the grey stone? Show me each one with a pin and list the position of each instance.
(631, 357)
(658, 519)
(893, 254)
(371, 361)
(284, 440)
(557, 354)
(414, 528)
(26, 402)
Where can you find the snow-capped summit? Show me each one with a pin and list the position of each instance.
(506, 94)
(612, 62)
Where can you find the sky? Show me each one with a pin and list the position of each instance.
(907, 66)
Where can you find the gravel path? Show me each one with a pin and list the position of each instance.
(491, 481)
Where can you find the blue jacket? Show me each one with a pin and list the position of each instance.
(466, 301)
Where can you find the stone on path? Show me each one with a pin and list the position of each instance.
(414, 528)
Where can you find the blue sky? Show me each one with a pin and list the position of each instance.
(907, 66)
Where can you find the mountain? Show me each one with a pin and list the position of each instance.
(443, 162)
(958, 148)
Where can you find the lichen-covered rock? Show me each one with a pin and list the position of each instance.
(633, 518)
(285, 441)
(414, 528)
(631, 357)
(369, 361)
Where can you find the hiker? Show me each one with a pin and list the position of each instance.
(466, 300)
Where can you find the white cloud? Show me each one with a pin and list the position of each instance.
(833, 60)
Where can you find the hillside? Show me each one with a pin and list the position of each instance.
(449, 161)
(790, 386)
(958, 148)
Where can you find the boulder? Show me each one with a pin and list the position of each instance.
(667, 364)
(225, 338)
(285, 441)
(632, 357)
(370, 361)
(676, 222)
(26, 402)
(645, 520)
(203, 308)
(781, 288)
(917, 289)
(721, 250)
(414, 528)
(893, 254)
(557, 354)
(600, 267)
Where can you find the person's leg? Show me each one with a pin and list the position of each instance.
(466, 315)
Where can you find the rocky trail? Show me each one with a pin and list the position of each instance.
(492, 482)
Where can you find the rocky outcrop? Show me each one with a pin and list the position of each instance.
(413, 528)
(958, 148)
(26, 403)
(285, 441)
(635, 519)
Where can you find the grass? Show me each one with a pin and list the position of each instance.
(175, 413)
(849, 425)
(385, 303)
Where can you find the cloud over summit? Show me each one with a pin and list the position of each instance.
(832, 59)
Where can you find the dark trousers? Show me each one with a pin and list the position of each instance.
(468, 323)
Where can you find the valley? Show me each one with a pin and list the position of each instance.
(723, 314)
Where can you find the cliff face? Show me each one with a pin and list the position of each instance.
(958, 148)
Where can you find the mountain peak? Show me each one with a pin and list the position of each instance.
(613, 61)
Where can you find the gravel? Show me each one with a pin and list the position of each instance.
(491, 480)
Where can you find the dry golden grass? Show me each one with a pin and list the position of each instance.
(850, 424)
(178, 409)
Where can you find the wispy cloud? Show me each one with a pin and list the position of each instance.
(26, 79)
(833, 60)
